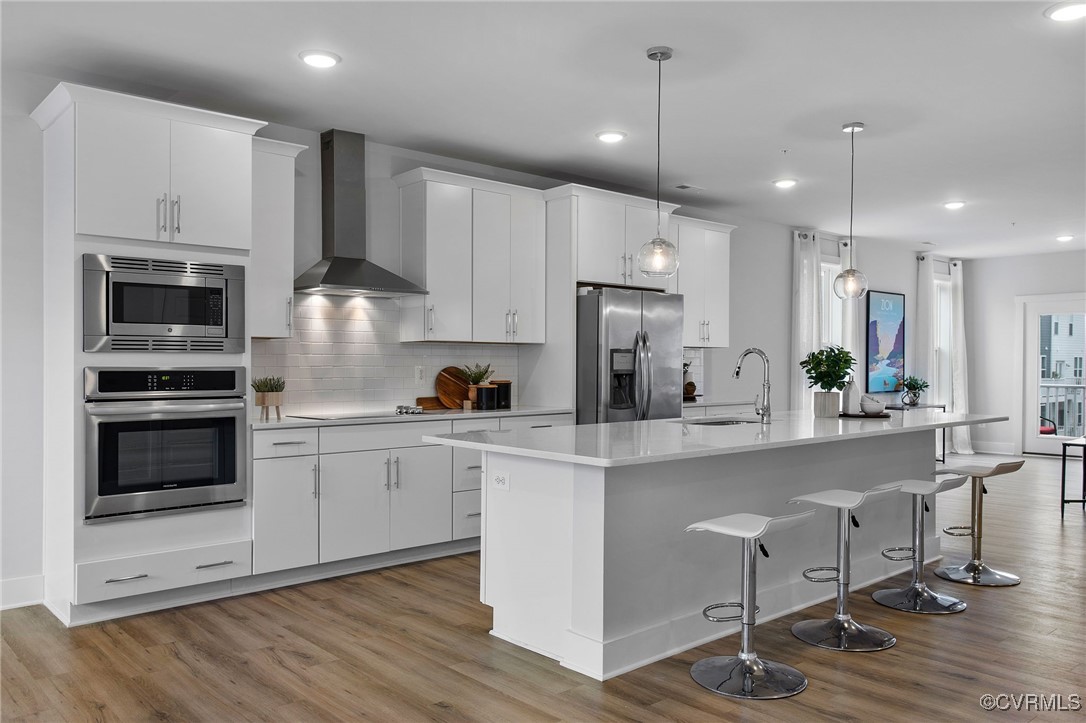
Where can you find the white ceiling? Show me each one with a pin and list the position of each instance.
(981, 101)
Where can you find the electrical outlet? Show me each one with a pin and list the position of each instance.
(500, 480)
(419, 373)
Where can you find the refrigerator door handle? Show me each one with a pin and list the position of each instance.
(648, 376)
(639, 377)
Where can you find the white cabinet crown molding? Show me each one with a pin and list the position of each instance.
(417, 175)
(279, 148)
(65, 94)
(714, 225)
(574, 189)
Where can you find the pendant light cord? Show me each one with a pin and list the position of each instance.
(659, 103)
(851, 200)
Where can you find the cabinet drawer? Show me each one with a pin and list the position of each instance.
(537, 421)
(467, 514)
(468, 463)
(139, 574)
(284, 442)
(362, 437)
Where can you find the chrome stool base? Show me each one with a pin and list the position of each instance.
(754, 678)
(843, 635)
(977, 573)
(919, 599)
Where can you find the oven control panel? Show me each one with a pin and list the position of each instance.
(115, 382)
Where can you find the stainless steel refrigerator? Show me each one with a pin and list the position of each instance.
(629, 355)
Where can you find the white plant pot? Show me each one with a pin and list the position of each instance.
(827, 404)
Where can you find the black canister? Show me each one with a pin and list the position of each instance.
(486, 396)
(505, 395)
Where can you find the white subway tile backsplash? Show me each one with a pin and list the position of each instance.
(345, 356)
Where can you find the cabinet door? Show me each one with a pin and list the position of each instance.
(641, 226)
(490, 309)
(691, 278)
(271, 265)
(448, 262)
(354, 493)
(285, 514)
(717, 274)
(421, 509)
(528, 270)
(601, 241)
(122, 173)
(211, 182)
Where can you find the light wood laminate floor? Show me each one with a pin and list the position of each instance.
(412, 643)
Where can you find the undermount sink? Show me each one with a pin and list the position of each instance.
(720, 421)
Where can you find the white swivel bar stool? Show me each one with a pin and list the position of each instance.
(918, 597)
(842, 632)
(976, 571)
(746, 675)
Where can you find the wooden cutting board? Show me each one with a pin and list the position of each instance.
(429, 403)
(452, 387)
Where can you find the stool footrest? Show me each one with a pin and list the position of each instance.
(958, 530)
(810, 574)
(888, 553)
(727, 618)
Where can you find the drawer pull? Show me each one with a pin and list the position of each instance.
(474, 514)
(474, 466)
(214, 564)
(126, 579)
(541, 426)
(281, 444)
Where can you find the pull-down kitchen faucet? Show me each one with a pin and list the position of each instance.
(762, 411)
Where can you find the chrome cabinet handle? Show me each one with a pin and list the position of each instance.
(701, 330)
(541, 426)
(126, 579)
(316, 481)
(177, 214)
(622, 266)
(431, 319)
(388, 473)
(515, 323)
(507, 323)
(290, 313)
(474, 466)
(708, 334)
(214, 564)
(397, 463)
(630, 276)
(474, 514)
(296, 441)
(162, 211)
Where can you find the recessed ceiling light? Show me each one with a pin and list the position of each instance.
(785, 182)
(1064, 239)
(953, 205)
(319, 58)
(610, 136)
(1065, 11)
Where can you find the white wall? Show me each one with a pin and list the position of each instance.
(990, 288)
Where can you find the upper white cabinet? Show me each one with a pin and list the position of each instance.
(703, 279)
(479, 249)
(155, 171)
(608, 230)
(271, 263)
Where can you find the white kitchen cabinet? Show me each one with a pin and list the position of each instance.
(420, 510)
(537, 421)
(285, 513)
(271, 270)
(468, 463)
(467, 514)
(354, 499)
(478, 247)
(143, 176)
(703, 280)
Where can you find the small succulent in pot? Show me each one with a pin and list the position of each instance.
(268, 384)
(914, 384)
(477, 373)
(828, 368)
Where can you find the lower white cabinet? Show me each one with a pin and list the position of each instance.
(420, 505)
(354, 492)
(537, 421)
(137, 574)
(467, 514)
(285, 513)
(468, 463)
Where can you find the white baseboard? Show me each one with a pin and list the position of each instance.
(993, 447)
(19, 592)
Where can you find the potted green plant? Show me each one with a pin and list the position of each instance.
(912, 386)
(828, 369)
(269, 393)
(476, 374)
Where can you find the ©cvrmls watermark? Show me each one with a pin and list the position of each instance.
(1031, 702)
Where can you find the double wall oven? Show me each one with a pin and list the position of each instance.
(162, 441)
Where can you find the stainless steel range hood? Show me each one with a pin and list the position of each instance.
(344, 269)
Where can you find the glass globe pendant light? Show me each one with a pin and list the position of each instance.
(850, 283)
(658, 257)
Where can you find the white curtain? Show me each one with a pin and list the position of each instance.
(806, 313)
(854, 326)
(924, 326)
(959, 438)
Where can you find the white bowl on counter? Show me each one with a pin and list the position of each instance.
(871, 406)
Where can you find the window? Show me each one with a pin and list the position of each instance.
(833, 308)
(941, 381)
(1078, 367)
(1070, 328)
(1044, 367)
(1055, 328)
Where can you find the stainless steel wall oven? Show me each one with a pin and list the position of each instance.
(137, 304)
(162, 441)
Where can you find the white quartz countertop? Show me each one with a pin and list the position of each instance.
(626, 443)
(381, 417)
(720, 403)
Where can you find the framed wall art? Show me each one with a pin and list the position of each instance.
(885, 341)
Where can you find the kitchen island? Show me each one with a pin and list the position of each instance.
(584, 558)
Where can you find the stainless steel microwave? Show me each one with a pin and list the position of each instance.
(137, 304)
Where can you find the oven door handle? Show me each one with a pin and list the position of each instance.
(101, 409)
